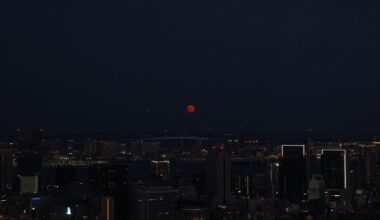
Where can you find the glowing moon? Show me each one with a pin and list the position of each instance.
(190, 108)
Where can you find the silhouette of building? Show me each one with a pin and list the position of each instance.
(111, 180)
(219, 178)
(334, 168)
(29, 162)
(293, 177)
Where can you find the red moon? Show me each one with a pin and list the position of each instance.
(190, 108)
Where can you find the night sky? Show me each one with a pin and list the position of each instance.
(136, 64)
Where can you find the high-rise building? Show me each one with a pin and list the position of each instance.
(111, 181)
(364, 168)
(334, 168)
(249, 177)
(293, 177)
(29, 159)
(30, 150)
(274, 178)
(219, 177)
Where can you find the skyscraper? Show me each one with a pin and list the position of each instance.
(111, 181)
(219, 180)
(293, 179)
(29, 159)
(334, 168)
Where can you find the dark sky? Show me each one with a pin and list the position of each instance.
(255, 63)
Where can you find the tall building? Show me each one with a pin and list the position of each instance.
(334, 168)
(29, 159)
(219, 177)
(293, 177)
(274, 179)
(111, 181)
(364, 168)
(250, 176)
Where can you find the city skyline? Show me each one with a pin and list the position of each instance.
(189, 110)
(182, 178)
